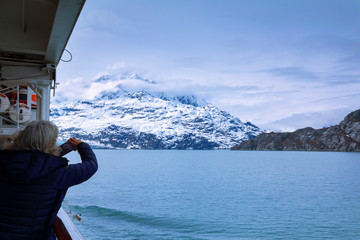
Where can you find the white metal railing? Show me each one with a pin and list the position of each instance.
(69, 225)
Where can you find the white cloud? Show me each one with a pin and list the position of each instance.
(80, 88)
(115, 66)
(100, 74)
(71, 88)
(311, 119)
(274, 104)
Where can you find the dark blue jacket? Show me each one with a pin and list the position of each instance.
(33, 185)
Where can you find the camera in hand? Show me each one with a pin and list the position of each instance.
(66, 148)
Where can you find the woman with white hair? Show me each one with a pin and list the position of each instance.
(34, 180)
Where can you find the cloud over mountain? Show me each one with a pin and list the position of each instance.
(127, 116)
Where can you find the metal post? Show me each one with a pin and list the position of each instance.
(18, 105)
(44, 103)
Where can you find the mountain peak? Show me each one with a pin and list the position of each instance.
(141, 120)
(127, 113)
(137, 77)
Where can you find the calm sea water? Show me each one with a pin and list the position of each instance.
(219, 195)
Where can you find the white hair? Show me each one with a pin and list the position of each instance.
(37, 135)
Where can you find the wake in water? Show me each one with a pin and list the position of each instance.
(111, 221)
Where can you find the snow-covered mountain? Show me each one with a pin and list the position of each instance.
(144, 119)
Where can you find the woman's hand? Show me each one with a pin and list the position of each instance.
(74, 142)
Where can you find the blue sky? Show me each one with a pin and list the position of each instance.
(281, 64)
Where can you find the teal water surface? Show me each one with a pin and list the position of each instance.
(139, 194)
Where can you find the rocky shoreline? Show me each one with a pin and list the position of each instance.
(344, 137)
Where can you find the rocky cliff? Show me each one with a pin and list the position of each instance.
(342, 137)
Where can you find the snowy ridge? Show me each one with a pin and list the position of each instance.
(149, 120)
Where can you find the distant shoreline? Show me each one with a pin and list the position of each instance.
(344, 137)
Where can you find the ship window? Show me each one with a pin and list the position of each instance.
(22, 97)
